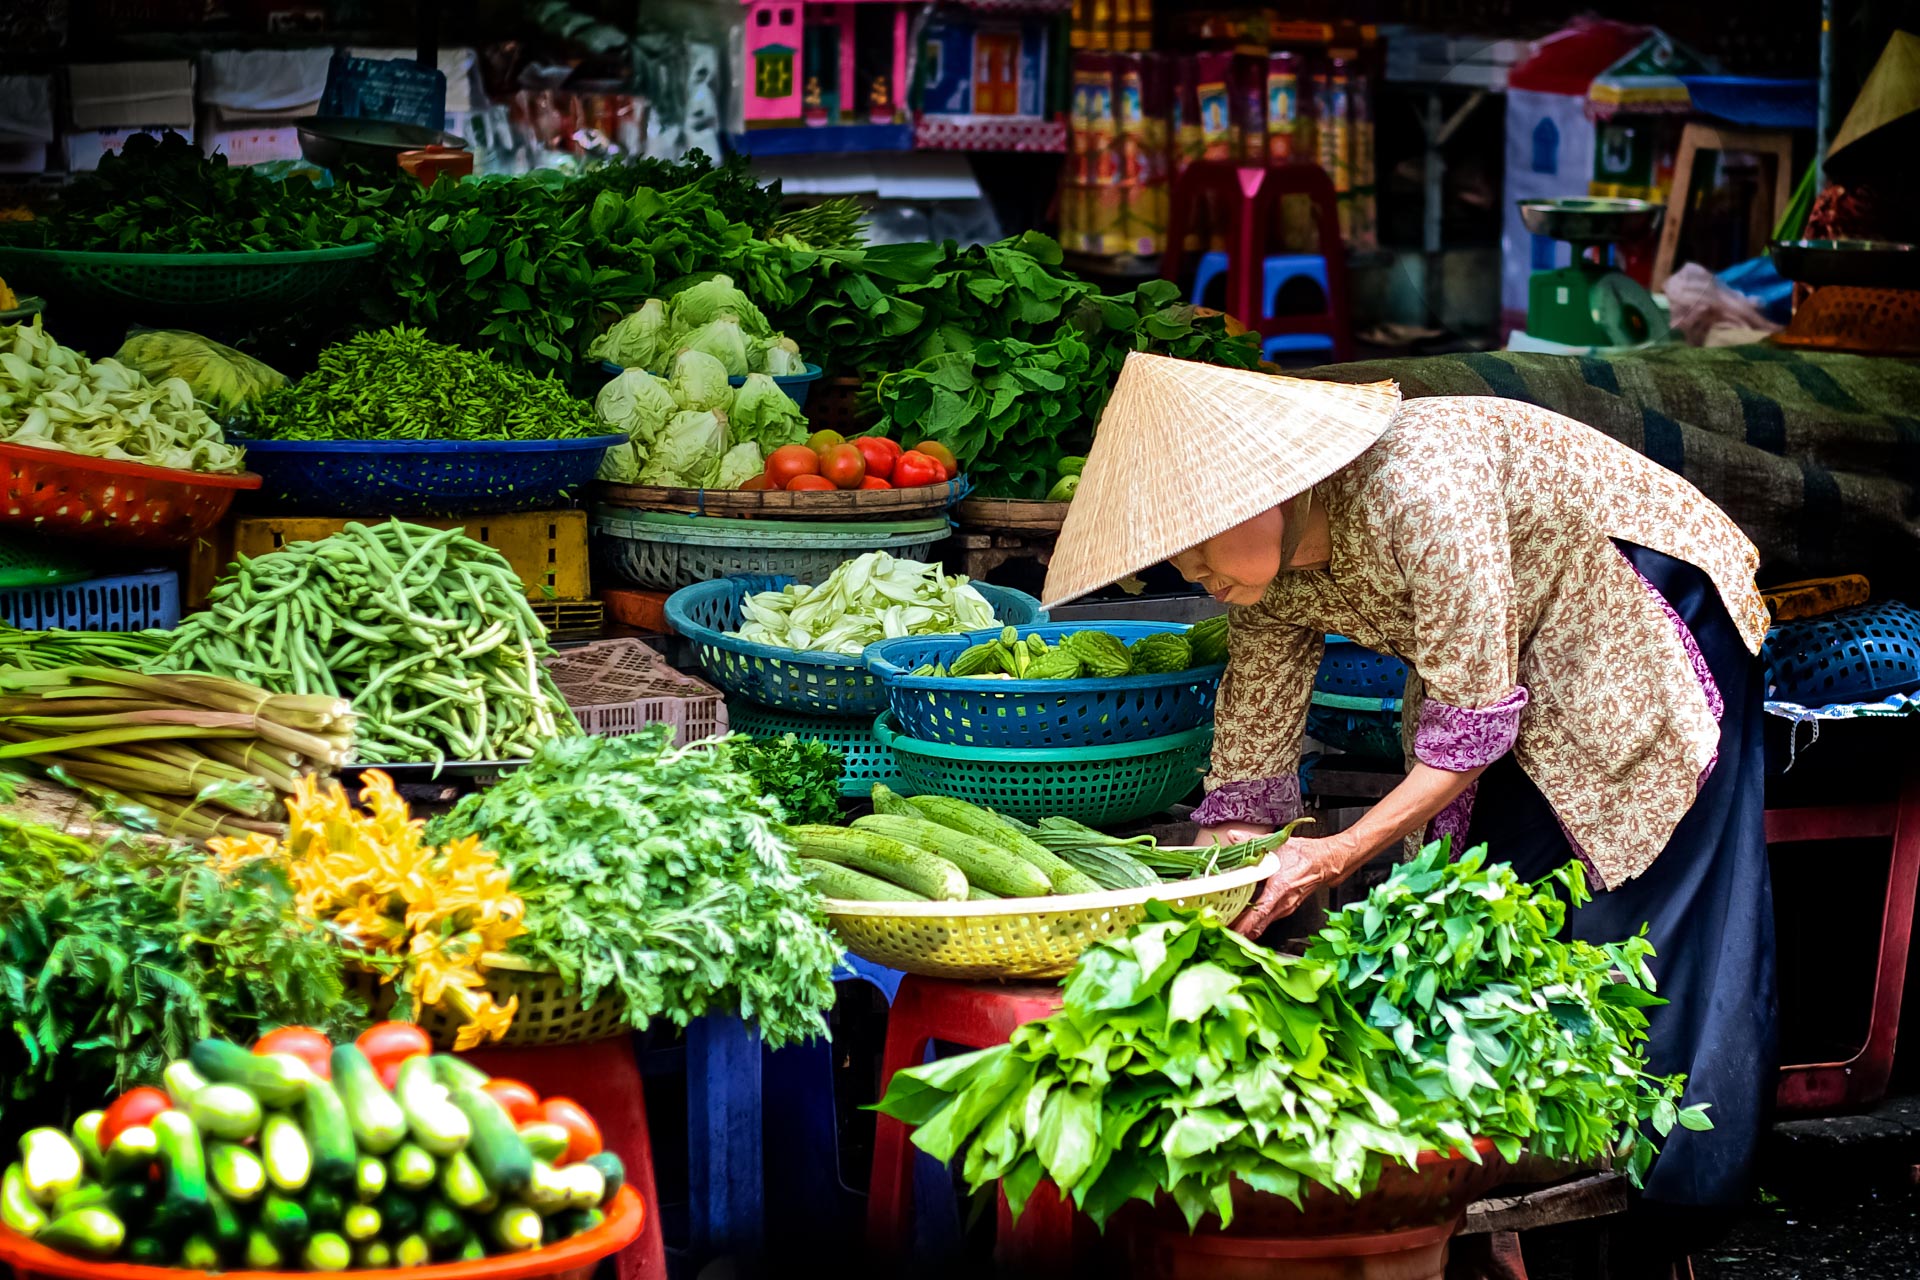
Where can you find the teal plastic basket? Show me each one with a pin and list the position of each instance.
(661, 551)
(1100, 786)
(190, 288)
(868, 761)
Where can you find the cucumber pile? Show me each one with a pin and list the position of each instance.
(941, 849)
(271, 1161)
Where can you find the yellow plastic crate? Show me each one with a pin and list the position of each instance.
(548, 549)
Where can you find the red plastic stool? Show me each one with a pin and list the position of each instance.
(974, 1016)
(604, 1077)
(1246, 199)
(1862, 1079)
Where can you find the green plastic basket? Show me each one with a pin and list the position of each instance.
(867, 761)
(190, 287)
(1100, 786)
(38, 562)
(662, 551)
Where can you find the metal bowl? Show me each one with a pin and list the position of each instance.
(1592, 221)
(333, 142)
(1867, 264)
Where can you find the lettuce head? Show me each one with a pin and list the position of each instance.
(637, 403)
(724, 340)
(687, 453)
(699, 381)
(740, 464)
(703, 303)
(638, 341)
(766, 415)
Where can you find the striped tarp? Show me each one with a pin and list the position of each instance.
(1817, 456)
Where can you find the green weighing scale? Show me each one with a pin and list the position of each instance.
(1590, 305)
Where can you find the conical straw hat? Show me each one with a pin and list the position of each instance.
(1185, 451)
(1890, 94)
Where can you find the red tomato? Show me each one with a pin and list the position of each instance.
(880, 453)
(758, 482)
(874, 482)
(940, 454)
(802, 484)
(389, 1073)
(823, 441)
(303, 1043)
(583, 1135)
(915, 469)
(134, 1107)
(843, 465)
(518, 1100)
(392, 1043)
(789, 462)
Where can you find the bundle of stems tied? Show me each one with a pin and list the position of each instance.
(205, 754)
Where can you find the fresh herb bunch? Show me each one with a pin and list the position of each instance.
(659, 875)
(1185, 1057)
(114, 960)
(399, 384)
(802, 776)
(161, 195)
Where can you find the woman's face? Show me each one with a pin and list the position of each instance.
(1237, 567)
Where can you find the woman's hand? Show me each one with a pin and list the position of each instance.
(1233, 833)
(1305, 865)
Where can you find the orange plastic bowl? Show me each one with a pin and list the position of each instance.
(569, 1260)
(105, 500)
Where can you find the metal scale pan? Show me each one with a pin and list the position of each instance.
(1592, 221)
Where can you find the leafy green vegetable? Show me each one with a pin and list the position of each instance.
(659, 875)
(802, 775)
(766, 415)
(872, 597)
(114, 960)
(398, 384)
(1443, 1008)
(687, 452)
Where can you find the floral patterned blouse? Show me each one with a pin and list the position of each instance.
(1475, 541)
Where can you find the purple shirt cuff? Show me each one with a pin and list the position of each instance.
(1461, 738)
(1270, 800)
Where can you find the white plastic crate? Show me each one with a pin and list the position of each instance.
(618, 687)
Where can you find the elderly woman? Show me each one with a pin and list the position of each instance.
(1580, 629)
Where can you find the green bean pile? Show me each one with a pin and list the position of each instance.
(399, 384)
(426, 632)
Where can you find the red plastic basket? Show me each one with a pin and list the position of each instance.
(572, 1259)
(103, 500)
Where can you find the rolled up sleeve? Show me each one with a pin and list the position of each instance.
(1261, 720)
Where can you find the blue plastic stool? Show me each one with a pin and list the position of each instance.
(1212, 267)
(1277, 272)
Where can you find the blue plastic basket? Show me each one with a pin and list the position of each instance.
(1855, 655)
(829, 684)
(867, 761)
(447, 478)
(796, 385)
(1350, 671)
(1357, 700)
(1025, 715)
(147, 601)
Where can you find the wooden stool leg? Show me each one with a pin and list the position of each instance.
(1690, 138)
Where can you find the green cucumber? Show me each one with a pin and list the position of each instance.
(18, 1209)
(198, 1254)
(411, 1169)
(262, 1254)
(237, 1173)
(93, 1232)
(442, 1226)
(586, 1186)
(278, 1080)
(434, 1122)
(472, 1249)
(285, 1153)
(51, 1163)
(182, 1082)
(327, 1252)
(132, 1154)
(456, 1073)
(544, 1141)
(361, 1222)
(224, 1228)
(399, 1213)
(86, 1139)
(547, 1192)
(373, 1255)
(462, 1183)
(325, 1208)
(285, 1220)
(83, 1196)
(149, 1251)
(324, 1119)
(226, 1111)
(515, 1228)
(613, 1169)
(412, 1251)
(496, 1146)
(185, 1162)
(369, 1178)
(377, 1122)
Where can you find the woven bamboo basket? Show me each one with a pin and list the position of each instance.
(1023, 937)
(550, 1011)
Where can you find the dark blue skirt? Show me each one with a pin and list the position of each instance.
(1708, 901)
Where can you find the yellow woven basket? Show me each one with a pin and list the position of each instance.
(1022, 937)
(550, 1011)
